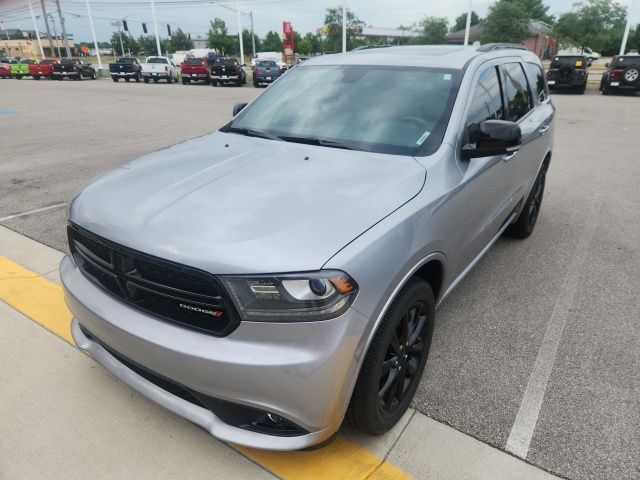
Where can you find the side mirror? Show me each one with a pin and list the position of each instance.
(606, 65)
(492, 137)
(238, 107)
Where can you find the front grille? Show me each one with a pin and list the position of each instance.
(170, 291)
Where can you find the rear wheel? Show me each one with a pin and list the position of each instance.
(155, 80)
(115, 79)
(127, 79)
(606, 89)
(526, 222)
(395, 360)
(138, 77)
(582, 89)
(36, 77)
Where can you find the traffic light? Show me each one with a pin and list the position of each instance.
(125, 26)
(169, 29)
(144, 27)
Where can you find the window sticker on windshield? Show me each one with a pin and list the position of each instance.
(446, 76)
(422, 139)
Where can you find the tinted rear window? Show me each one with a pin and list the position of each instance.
(47, 62)
(67, 61)
(193, 61)
(127, 61)
(226, 61)
(157, 60)
(267, 64)
(571, 61)
(622, 62)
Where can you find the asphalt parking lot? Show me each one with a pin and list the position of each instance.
(538, 345)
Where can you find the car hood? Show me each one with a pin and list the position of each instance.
(227, 203)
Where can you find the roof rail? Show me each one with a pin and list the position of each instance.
(489, 47)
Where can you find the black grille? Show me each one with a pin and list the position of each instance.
(173, 292)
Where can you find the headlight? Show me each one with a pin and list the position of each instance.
(292, 297)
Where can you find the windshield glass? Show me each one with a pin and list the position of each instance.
(572, 61)
(622, 62)
(226, 61)
(266, 63)
(194, 61)
(400, 110)
(157, 60)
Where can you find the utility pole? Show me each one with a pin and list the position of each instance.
(93, 32)
(625, 37)
(155, 27)
(240, 32)
(55, 34)
(64, 30)
(35, 27)
(253, 37)
(344, 26)
(468, 27)
(117, 24)
(46, 24)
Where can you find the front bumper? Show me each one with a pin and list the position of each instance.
(303, 372)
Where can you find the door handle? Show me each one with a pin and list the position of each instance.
(509, 156)
(543, 129)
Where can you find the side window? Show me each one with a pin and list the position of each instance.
(539, 86)
(486, 103)
(517, 91)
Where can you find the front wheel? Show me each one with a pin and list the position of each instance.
(526, 222)
(394, 363)
(36, 77)
(146, 80)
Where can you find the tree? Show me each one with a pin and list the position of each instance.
(128, 42)
(597, 24)
(218, 37)
(17, 35)
(461, 21)
(507, 21)
(147, 44)
(536, 10)
(180, 41)
(433, 31)
(272, 43)
(309, 44)
(333, 29)
(246, 40)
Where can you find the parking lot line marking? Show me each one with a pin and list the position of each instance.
(527, 417)
(43, 302)
(340, 459)
(30, 212)
(35, 297)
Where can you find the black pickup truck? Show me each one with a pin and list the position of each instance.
(73, 68)
(127, 68)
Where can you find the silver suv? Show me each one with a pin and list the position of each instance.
(271, 278)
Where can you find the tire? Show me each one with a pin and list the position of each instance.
(526, 222)
(155, 80)
(169, 79)
(80, 77)
(60, 78)
(138, 77)
(631, 75)
(582, 89)
(606, 89)
(378, 400)
(18, 77)
(255, 85)
(36, 77)
(127, 79)
(239, 83)
(93, 76)
(184, 81)
(214, 83)
(146, 80)
(115, 79)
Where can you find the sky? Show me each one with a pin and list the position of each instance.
(193, 17)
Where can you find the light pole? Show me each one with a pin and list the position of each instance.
(117, 24)
(93, 32)
(253, 36)
(468, 26)
(344, 26)
(155, 27)
(240, 32)
(625, 37)
(46, 24)
(35, 27)
(64, 30)
(55, 33)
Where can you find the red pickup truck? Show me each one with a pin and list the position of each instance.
(195, 70)
(44, 68)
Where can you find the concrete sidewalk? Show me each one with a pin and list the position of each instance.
(63, 416)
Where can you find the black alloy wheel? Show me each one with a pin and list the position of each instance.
(394, 363)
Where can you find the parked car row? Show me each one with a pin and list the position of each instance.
(47, 68)
(571, 72)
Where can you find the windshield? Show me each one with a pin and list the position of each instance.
(572, 61)
(157, 60)
(266, 64)
(194, 61)
(226, 61)
(399, 110)
(68, 61)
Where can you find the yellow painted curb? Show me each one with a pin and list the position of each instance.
(43, 302)
(37, 298)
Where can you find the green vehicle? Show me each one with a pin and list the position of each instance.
(20, 67)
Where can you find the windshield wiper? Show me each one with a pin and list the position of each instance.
(320, 141)
(252, 133)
